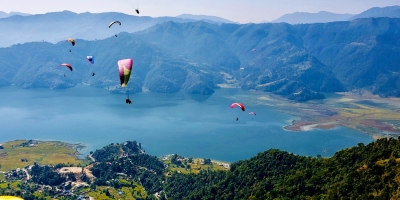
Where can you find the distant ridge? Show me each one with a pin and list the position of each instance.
(390, 11)
(325, 17)
(4, 14)
(205, 18)
(307, 18)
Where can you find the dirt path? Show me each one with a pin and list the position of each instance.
(91, 158)
(28, 176)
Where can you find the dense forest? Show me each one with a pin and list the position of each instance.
(127, 160)
(113, 151)
(362, 172)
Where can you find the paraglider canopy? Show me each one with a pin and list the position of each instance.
(90, 59)
(124, 70)
(112, 23)
(71, 40)
(252, 113)
(10, 198)
(253, 50)
(67, 65)
(241, 106)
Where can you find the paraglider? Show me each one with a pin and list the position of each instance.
(241, 106)
(112, 23)
(124, 70)
(252, 113)
(10, 198)
(72, 42)
(67, 65)
(137, 7)
(253, 50)
(90, 59)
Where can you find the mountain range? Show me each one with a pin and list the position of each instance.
(324, 17)
(300, 62)
(23, 27)
(57, 26)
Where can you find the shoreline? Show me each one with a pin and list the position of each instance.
(301, 126)
(76, 147)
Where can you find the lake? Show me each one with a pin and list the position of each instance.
(189, 125)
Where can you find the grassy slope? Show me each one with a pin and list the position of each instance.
(45, 153)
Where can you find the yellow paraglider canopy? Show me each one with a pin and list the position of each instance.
(71, 40)
(10, 198)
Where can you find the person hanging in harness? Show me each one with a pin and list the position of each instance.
(128, 101)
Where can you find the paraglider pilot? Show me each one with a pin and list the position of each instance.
(93, 74)
(137, 11)
(237, 119)
(128, 101)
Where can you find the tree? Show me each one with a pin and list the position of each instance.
(107, 193)
(207, 161)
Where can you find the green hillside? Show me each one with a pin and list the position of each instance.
(362, 172)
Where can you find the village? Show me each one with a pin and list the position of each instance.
(69, 180)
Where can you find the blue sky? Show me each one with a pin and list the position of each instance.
(243, 11)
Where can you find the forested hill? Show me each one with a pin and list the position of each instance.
(363, 172)
(299, 62)
(114, 151)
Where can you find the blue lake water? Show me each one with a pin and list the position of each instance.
(190, 125)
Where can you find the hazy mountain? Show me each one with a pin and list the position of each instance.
(390, 11)
(57, 26)
(296, 61)
(4, 14)
(308, 18)
(324, 17)
(205, 18)
(363, 53)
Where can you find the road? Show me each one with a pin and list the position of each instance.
(27, 174)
